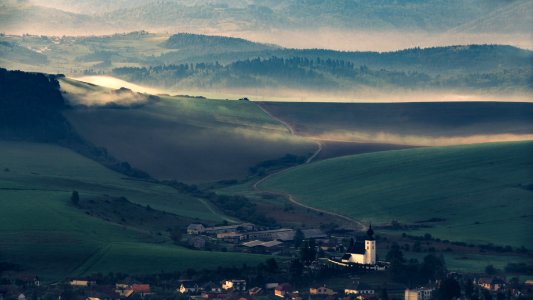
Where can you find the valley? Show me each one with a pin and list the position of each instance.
(266, 150)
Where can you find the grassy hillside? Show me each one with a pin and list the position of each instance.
(408, 123)
(192, 140)
(36, 181)
(477, 193)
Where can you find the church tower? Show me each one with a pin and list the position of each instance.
(370, 247)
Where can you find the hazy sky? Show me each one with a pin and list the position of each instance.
(332, 24)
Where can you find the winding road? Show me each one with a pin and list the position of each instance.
(289, 196)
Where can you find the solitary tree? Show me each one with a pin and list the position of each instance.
(75, 198)
(271, 265)
(449, 289)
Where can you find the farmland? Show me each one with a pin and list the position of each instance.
(423, 124)
(36, 181)
(188, 139)
(476, 193)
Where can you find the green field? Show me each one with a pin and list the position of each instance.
(422, 124)
(36, 181)
(191, 140)
(483, 193)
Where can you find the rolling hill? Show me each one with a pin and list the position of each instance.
(424, 124)
(477, 193)
(189, 139)
(36, 182)
(434, 15)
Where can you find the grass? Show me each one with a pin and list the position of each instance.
(191, 140)
(483, 192)
(48, 167)
(43, 232)
(434, 123)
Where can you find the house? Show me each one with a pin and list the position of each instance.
(296, 296)
(81, 283)
(124, 290)
(313, 234)
(230, 237)
(195, 229)
(255, 291)
(234, 285)
(188, 287)
(323, 290)
(271, 285)
(197, 242)
(103, 292)
(211, 287)
(257, 246)
(230, 228)
(360, 289)
(361, 253)
(492, 284)
(283, 234)
(213, 296)
(422, 293)
(141, 289)
(283, 290)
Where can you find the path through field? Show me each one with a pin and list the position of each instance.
(290, 197)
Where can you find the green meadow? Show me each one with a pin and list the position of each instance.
(475, 193)
(41, 230)
(191, 140)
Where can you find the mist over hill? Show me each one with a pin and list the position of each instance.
(339, 24)
(215, 64)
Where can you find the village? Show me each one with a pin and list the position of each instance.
(332, 266)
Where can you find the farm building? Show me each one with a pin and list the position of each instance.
(283, 234)
(195, 229)
(188, 287)
(283, 290)
(230, 228)
(423, 293)
(234, 285)
(323, 290)
(263, 247)
(360, 289)
(492, 284)
(314, 234)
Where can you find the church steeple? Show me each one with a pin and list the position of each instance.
(370, 233)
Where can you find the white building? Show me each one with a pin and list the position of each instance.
(419, 294)
(235, 285)
(362, 254)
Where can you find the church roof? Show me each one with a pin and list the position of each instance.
(358, 248)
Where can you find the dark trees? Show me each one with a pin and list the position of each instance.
(75, 198)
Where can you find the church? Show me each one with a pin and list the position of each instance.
(363, 254)
(360, 253)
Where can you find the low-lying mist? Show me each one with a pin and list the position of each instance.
(81, 92)
(116, 83)
(360, 95)
(418, 140)
(369, 40)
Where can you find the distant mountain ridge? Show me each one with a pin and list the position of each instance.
(201, 62)
(481, 16)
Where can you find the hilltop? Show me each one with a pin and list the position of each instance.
(434, 15)
(224, 65)
(474, 193)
